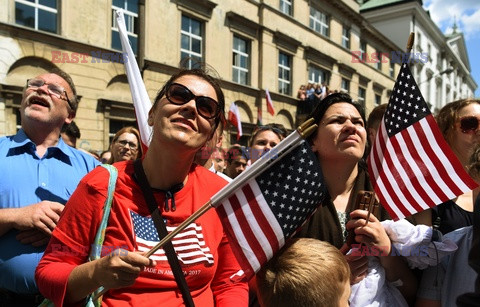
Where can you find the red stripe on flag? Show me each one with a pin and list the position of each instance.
(456, 164)
(261, 219)
(429, 178)
(392, 167)
(250, 237)
(432, 156)
(413, 181)
(416, 160)
(270, 108)
(383, 138)
(243, 261)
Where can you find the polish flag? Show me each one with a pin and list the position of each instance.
(234, 118)
(270, 108)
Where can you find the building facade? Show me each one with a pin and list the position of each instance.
(253, 45)
(443, 70)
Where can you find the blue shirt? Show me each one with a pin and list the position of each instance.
(453, 276)
(26, 179)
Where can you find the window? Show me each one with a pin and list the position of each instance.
(362, 94)
(286, 7)
(241, 50)
(419, 42)
(130, 11)
(378, 99)
(192, 40)
(392, 69)
(363, 50)
(319, 21)
(317, 75)
(284, 73)
(346, 37)
(378, 63)
(345, 85)
(429, 52)
(37, 14)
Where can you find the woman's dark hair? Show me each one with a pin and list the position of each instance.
(201, 73)
(322, 107)
(278, 129)
(327, 102)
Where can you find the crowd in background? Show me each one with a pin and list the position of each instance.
(55, 194)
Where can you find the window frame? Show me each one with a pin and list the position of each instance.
(282, 82)
(325, 73)
(192, 54)
(37, 6)
(346, 37)
(236, 70)
(286, 7)
(347, 82)
(322, 20)
(362, 98)
(129, 24)
(363, 50)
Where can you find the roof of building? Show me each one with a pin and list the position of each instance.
(375, 4)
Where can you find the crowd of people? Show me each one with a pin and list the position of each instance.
(52, 205)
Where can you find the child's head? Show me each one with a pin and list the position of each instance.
(306, 272)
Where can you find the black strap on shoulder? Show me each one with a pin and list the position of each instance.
(162, 232)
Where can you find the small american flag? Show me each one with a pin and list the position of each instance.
(411, 165)
(189, 244)
(263, 213)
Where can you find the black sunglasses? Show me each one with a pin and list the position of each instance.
(179, 94)
(469, 123)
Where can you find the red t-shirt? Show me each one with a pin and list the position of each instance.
(202, 248)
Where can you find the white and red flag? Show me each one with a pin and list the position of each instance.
(234, 118)
(270, 108)
(141, 101)
(411, 166)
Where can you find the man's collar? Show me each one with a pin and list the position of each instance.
(21, 139)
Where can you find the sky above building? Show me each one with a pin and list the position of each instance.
(466, 14)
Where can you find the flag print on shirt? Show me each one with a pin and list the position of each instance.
(189, 244)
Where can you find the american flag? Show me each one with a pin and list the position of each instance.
(411, 165)
(189, 244)
(262, 214)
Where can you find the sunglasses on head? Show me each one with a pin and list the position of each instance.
(469, 124)
(178, 94)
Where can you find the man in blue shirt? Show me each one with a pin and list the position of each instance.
(38, 173)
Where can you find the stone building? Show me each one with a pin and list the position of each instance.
(254, 45)
(444, 75)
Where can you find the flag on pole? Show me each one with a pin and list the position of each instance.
(259, 116)
(411, 165)
(234, 118)
(262, 214)
(141, 101)
(270, 108)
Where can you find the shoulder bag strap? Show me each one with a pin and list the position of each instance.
(162, 232)
(96, 250)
